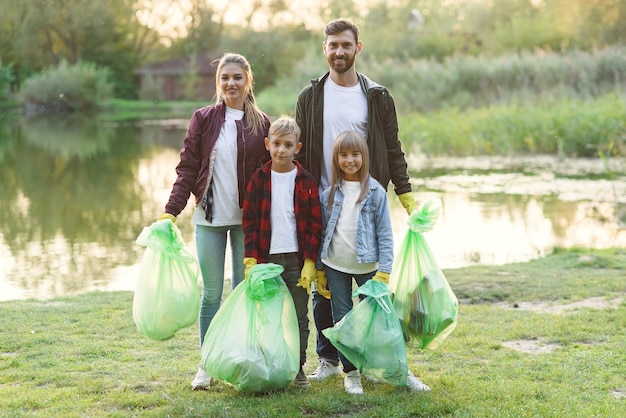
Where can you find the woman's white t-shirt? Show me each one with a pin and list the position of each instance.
(226, 210)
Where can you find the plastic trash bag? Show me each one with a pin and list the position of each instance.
(167, 295)
(253, 342)
(422, 297)
(370, 336)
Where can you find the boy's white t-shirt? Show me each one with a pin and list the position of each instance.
(226, 210)
(345, 109)
(284, 238)
(342, 249)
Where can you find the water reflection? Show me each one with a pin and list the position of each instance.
(77, 192)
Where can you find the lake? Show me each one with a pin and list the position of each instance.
(77, 192)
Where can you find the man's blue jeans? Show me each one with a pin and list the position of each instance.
(323, 317)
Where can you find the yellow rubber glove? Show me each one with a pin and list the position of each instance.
(249, 262)
(408, 201)
(381, 277)
(167, 216)
(307, 276)
(321, 283)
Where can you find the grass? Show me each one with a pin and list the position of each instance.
(82, 355)
(123, 110)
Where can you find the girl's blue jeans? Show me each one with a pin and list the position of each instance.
(340, 286)
(211, 251)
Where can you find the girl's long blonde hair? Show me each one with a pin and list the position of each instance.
(254, 118)
(350, 141)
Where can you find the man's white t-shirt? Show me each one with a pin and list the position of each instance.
(345, 109)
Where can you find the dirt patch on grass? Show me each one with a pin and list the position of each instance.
(619, 393)
(569, 308)
(535, 346)
(539, 346)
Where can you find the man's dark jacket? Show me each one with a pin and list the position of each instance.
(387, 161)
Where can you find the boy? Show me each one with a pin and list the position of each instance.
(282, 222)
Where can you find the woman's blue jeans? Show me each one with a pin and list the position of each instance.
(340, 286)
(211, 251)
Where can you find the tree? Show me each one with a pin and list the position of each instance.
(106, 33)
(204, 29)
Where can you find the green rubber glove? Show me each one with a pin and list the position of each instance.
(307, 276)
(381, 277)
(249, 262)
(408, 202)
(167, 216)
(321, 283)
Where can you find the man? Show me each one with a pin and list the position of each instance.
(342, 100)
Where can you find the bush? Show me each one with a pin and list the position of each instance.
(66, 87)
(469, 82)
(6, 78)
(573, 128)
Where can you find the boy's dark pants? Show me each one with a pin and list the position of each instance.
(291, 275)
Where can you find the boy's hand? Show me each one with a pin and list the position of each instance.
(249, 262)
(381, 277)
(307, 276)
(408, 202)
(321, 283)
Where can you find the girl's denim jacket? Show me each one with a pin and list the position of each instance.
(374, 233)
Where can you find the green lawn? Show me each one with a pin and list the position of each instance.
(544, 338)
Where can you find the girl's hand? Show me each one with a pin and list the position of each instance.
(381, 277)
(321, 283)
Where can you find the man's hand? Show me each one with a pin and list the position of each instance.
(408, 202)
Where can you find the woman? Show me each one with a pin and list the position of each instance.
(223, 147)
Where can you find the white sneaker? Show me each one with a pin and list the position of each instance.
(202, 381)
(352, 383)
(324, 371)
(416, 385)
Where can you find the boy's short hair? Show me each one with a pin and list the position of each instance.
(284, 126)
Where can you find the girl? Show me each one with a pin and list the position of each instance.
(223, 147)
(357, 241)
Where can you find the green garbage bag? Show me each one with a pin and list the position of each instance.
(253, 342)
(167, 295)
(370, 336)
(422, 298)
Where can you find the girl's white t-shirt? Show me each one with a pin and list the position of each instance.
(226, 210)
(345, 109)
(284, 238)
(342, 249)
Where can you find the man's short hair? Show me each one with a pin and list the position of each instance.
(340, 25)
